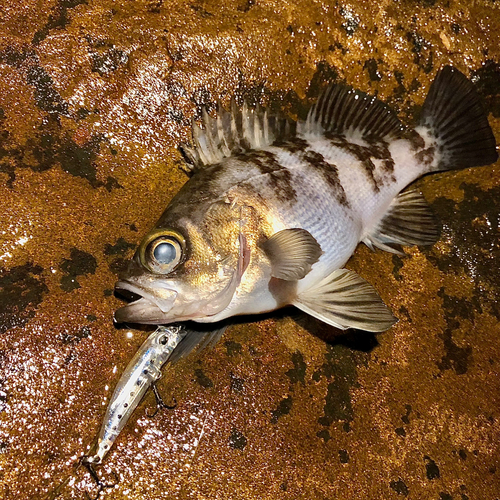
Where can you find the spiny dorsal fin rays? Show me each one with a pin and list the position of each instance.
(342, 110)
(223, 128)
(233, 132)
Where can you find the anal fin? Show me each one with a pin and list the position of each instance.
(345, 300)
(409, 221)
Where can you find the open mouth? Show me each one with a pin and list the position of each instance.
(125, 293)
(143, 307)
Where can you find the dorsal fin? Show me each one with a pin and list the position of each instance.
(233, 132)
(344, 111)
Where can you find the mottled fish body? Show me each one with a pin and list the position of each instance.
(274, 209)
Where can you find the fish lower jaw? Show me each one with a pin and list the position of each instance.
(141, 311)
(144, 309)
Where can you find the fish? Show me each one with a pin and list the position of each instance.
(274, 207)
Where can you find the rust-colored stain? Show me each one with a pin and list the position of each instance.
(94, 98)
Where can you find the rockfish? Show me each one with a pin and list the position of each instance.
(274, 208)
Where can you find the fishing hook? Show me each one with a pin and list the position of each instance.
(101, 485)
(160, 404)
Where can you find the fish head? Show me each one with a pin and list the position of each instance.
(185, 270)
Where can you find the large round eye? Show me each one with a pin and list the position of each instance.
(162, 251)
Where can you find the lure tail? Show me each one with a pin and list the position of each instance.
(454, 118)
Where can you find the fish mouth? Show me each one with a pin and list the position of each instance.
(144, 307)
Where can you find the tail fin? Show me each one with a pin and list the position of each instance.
(456, 120)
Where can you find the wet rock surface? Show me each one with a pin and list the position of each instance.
(94, 98)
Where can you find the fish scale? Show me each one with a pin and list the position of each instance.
(274, 209)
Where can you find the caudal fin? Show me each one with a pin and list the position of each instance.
(454, 117)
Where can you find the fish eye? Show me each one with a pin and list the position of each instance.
(163, 340)
(162, 251)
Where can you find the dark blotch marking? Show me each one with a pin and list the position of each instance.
(293, 146)
(445, 496)
(49, 146)
(280, 179)
(417, 142)
(399, 487)
(406, 418)
(202, 379)
(426, 156)
(46, 96)
(118, 266)
(80, 263)
(431, 468)
(344, 456)
(471, 228)
(16, 58)
(329, 173)
(119, 248)
(324, 435)
(201, 11)
(3, 400)
(59, 19)
(422, 49)
(340, 366)
(82, 113)
(298, 372)
(108, 61)
(487, 82)
(324, 75)
(400, 91)
(232, 348)
(404, 311)
(284, 408)
(236, 384)
(372, 66)
(397, 263)
(400, 431)
(337, 403)
(365, 155)
(77, 337)
(21, 291)
(279, 102)
(456, 358)
(351, 23)
(237, 440)
(462, 454)
(79, 160)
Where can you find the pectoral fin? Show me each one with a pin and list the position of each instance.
(292, 253)
(345, 300)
